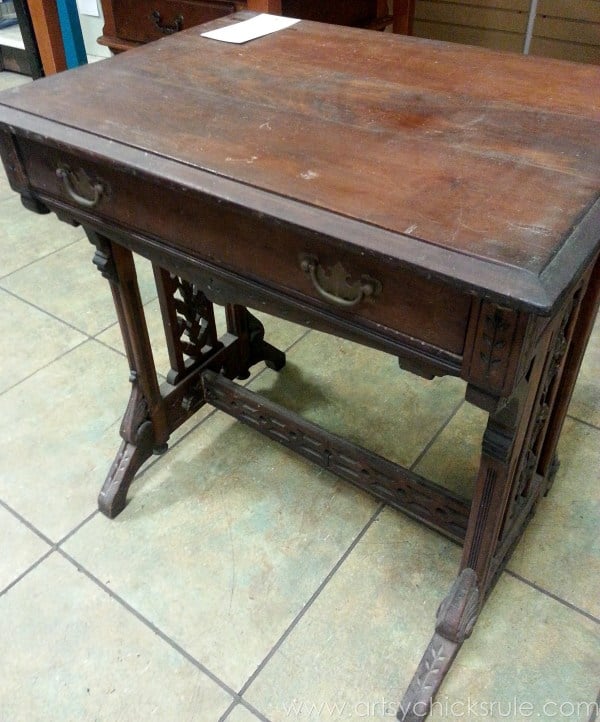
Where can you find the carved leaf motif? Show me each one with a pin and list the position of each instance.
(494, 339)
(433, 668)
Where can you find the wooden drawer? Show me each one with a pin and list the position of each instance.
(145, 21)
(276, 254)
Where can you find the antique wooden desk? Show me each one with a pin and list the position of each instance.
(430, 200)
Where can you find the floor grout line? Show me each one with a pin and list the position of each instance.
(26, 572)
(243, 703)
(53, 545)
(584, 422)
(41, 258)
(228, 711)
(548, 593)
(45, 366)
(46, 312)
(27, 523)
(150, 625)
(311, 600)
(435, 437)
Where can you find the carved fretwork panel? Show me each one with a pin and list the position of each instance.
(189, 323)
(529, 484)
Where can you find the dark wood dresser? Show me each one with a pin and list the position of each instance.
(132, 22)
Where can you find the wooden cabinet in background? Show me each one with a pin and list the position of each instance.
(128, 23)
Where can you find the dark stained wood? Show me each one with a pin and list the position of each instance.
(473, 126)
(440, 204)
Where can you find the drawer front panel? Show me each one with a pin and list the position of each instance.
(146, 21)
(356, 286)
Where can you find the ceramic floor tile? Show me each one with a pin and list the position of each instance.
(20, 324)
(585, 403)
(453, 458)
(20, 548)
(241, 714)
(76, 655)
(278, 332)
(357, 646)
(223, 543)
(59, 431)
(5, 190)
(68, 286)
(26, 237)
(353, 653)
(530, 656)
(560, 549)
(362, 395)
(12, 80)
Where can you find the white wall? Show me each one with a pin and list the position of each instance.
(91, 28)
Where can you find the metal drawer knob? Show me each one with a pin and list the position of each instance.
(335, 284)
(95, 189)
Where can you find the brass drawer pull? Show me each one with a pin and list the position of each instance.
(164, 28)
(335, 285)
(95, 189)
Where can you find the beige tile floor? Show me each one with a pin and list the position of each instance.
(242, 583)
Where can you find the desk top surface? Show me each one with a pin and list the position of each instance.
(459, 161)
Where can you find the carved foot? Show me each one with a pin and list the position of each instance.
(129, 458)
(455, 620)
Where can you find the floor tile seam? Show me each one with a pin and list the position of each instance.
(244, 703)
(108, 346)
(583, 421)
(149, 625)
(115, 322)
(552, 595)
(45, 311)
(41, 258)
(27, 571)
(436, 436)
(76, 528)
(314, 596)
(27, 523)
(46, 365)
(40, 533)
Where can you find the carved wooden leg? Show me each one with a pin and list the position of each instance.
(144, 427)
(137, 446)
(504, 448)
(578, 332)
(456, 617)
(253, 347)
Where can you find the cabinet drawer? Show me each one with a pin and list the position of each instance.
(320, 271)
(144, 21)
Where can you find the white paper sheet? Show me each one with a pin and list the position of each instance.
(88, 7)
(246, 30)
